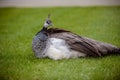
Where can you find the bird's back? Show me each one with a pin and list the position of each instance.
(83, 44)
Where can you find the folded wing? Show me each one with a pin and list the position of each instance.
(83, 44)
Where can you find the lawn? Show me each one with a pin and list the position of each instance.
(19, 25)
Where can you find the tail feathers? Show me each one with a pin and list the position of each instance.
(115, 51)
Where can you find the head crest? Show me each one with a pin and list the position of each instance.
(48, 22)
(49, 16)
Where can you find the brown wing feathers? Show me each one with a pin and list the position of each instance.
(82, 44)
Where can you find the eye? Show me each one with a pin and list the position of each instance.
(49, 21)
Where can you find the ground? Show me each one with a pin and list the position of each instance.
(19, 25)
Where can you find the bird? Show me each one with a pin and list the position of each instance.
(57, 44)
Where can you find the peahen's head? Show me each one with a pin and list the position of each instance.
(48, 22)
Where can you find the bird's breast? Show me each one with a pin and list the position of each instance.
(39, 44)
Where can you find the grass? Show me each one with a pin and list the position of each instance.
(19, 25)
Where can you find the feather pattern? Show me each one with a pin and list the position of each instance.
(39, 44)
(58, 44)
(83, 44)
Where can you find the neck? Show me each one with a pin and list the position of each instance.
(44, 29)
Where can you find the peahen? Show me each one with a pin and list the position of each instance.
(58, 44)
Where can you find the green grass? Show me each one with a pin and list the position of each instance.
(19, 25)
